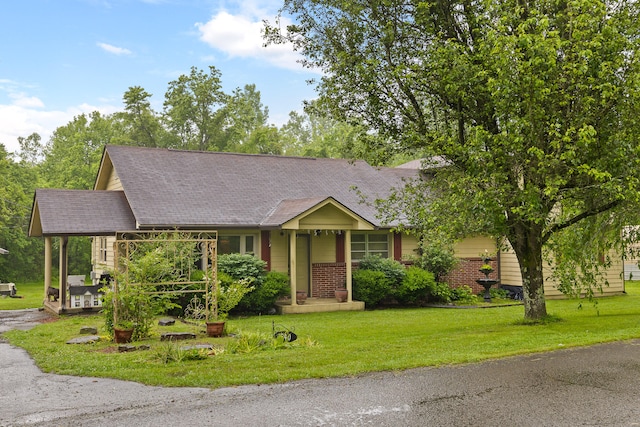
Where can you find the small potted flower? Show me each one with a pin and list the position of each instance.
(228, 293)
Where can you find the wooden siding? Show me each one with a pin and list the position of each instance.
(474, 247)
(510, 275)
(279, 251)
(100, 266)
(323, 248)
(510, 269)
(409, 247)
(113, 183)
(327, 217)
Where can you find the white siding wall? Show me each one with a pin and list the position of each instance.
(510, 275)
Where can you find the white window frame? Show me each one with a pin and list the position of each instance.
(365, 247)
(243, 242)
(102, 256)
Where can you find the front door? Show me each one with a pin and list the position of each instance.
(303, 273)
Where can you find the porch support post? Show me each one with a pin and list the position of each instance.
(63, 272)
(47, 266)
(292, 265)
(347, 261)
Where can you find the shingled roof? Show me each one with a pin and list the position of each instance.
(164, 188)
(79, 212)
(172, 188)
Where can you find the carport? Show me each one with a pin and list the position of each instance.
(60, 214)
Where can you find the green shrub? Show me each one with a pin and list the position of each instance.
(371, 287)
(416, 286)
(463, 295)
(497, 293)
(240, 266)
(392, 269)
(264, 296)
(437, 259)
(136, 308)
(441, 292)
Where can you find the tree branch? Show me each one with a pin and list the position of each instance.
(577, 218)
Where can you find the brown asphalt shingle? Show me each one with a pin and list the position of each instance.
(81, 212)
(167, 188)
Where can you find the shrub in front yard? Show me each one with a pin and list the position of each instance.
(415, 287)
(392, 269)
(264, 296)
(371, 287)
(463, 295)
(241, 266)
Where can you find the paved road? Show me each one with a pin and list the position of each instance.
(594, 386)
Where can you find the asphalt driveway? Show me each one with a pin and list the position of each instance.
(593, 386)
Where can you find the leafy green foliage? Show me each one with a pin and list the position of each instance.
(230, 293)
(172, 352)
(371, 287)
(134, 307)
(263, 298)
(417, 286)
(17, 183)
(528, 111)
(392, 269)
(463, 295)
(438, 259)
(243, 266)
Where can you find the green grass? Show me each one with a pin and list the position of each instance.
(343, 343)
(30, 295)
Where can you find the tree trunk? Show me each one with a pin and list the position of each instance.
(527, 244)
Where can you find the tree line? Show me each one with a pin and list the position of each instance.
(196, 115)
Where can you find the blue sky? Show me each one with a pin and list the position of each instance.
(62, 58)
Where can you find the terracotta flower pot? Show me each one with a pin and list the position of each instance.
(215, 329)
(341, 295)
(122, 336)
(301, 297)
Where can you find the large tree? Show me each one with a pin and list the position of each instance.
(193, 109)
(529, 105)
(17, 182)
(141, 125)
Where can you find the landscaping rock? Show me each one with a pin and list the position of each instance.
(90, 339)
(177, 336)
(127, 348)
(197, 347)
(166, 322)
(89, 330)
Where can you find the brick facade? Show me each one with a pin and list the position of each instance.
(329, 276)
(326, 278)
(467, 272)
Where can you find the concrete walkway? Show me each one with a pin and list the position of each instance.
(593, 386)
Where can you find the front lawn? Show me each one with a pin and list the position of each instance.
(30, 295)
(338, 344)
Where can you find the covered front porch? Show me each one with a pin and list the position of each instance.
(316, 237)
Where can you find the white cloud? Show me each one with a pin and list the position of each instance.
(21, 120)
(241, 36)
(114, 49)
(21, 100)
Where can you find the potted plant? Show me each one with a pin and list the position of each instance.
(130, 310)
(123, 331)
(301, 297)
(228, 293)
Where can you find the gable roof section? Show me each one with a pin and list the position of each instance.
(80, 213)
(289, 214)
(172, 188)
